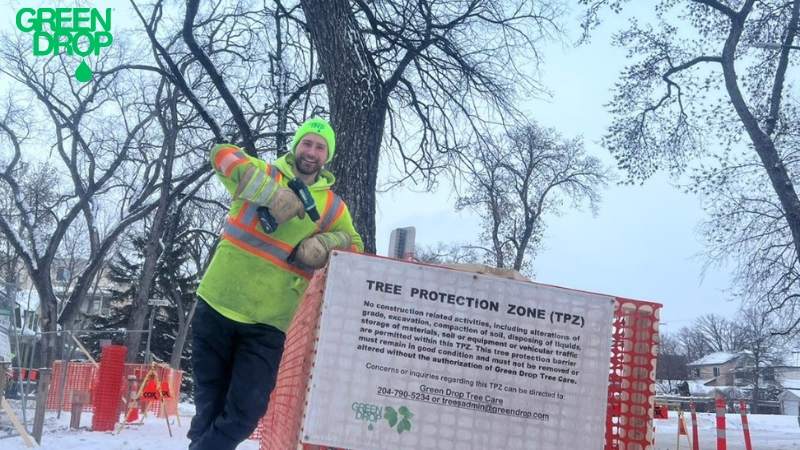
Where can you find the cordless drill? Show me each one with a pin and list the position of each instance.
(301, 190)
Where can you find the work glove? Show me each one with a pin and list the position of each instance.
(284, 205)
(258, 187)
(313, 252)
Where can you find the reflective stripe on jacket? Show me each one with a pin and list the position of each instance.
(249, 277)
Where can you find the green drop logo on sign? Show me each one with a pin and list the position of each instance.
(74, 31)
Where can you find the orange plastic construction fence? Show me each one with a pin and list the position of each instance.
(81, 376)
(631, 390)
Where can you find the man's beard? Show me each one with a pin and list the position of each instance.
(306, 167)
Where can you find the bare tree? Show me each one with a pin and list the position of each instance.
(697, 79)
(259, 74)
(450, 253)
(708, 334)
(521, 178)
(721, 334)
(109, 166)
(431, 75)
(693, 343)
(765, 345)
(195, 232)
(419, 70)
(38, 194)
(671, 370)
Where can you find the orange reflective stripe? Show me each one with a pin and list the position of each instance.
(259, 235)
(227, 159)
(248, 216)
(258, 246)
(333, 210)
(275, 173)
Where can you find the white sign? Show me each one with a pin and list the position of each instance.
(158, 302)
(5, 345)
(419, 357)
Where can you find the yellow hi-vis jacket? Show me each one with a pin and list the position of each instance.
(249, 279)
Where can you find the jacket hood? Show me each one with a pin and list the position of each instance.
(285, 164)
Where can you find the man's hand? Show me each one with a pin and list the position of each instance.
(258, 187)
(284, 205)
(313, 252)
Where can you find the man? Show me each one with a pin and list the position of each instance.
(255, 281)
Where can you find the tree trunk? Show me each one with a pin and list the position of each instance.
(358, 107)
(763, 144)
(153, 249)
(152, 253)
(756, 395)
(180, 339)
(49, 318)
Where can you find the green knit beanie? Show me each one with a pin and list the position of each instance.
(320, 127)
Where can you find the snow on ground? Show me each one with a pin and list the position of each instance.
(768, 432)
(152, 435)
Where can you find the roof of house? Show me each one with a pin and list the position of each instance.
(791, 384)
(786, 394)
(792, 360)
(715, 358)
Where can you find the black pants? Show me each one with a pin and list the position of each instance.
(235, 368)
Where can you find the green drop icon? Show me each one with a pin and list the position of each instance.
(83, 73)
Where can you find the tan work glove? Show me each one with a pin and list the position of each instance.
(313, 252)
(284, 205)
(258, 187)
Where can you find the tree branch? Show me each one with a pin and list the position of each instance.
(216, 78)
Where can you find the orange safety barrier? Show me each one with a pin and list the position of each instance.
(745, 426)
(632, 384)
(722, 443)
(280, 427)
(695, 431)
(133, 415)
(109, 383)
(26, 374)
(81, 377)
(631, 393)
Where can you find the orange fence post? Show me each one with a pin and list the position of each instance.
(722, 443)
(695, 434)
(745, 427)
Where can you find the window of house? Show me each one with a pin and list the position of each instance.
(697, 372)
(31, 319)
(95, 305)
(716, 371)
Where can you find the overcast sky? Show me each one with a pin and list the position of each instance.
(641, 245)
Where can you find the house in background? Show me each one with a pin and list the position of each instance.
(789, 369)
(788, 375)
(718, 369)
(790, 398)
(64, 273)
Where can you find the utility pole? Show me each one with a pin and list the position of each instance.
(153, 303)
